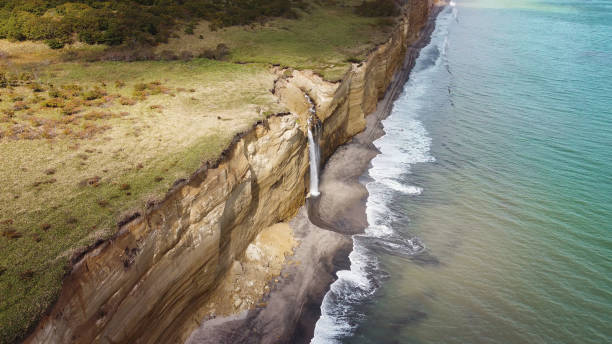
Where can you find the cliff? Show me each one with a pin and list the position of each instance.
(147, 283)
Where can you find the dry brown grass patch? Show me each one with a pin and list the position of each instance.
(11, 234)
(98, 115)
(93, 181)
(127, 101)
(20, 105)
(95, 93)
(54, 103)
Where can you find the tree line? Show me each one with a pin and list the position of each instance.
(115, 22)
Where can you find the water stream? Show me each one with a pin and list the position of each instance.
(314, 149)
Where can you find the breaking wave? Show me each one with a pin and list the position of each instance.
(405, 143)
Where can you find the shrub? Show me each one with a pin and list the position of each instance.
(36, 87)
(189, 28)
(26, 76)
(54, 103)
(118, 22)
(168, 55)
(55, 93)
(71, 108)
(219, 53)
(49, 133)
(55, 43)
(69, 120)
(4, 81)
(222, 51)
(96, 93)
(96, 115)
(142, 90)
(73, 90)
(186, 55)
(90, 130)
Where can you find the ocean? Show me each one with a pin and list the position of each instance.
(490, 206)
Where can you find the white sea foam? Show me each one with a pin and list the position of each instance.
(445, 46)
(351, 286)
(405, 143)
(405, 189)
(454, 10)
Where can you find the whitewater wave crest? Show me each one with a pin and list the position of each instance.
(405, 144)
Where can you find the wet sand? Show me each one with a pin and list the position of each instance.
(323, 228)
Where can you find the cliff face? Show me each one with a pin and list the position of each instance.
(146, 284)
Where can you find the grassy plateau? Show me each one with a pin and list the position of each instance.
(84, 141)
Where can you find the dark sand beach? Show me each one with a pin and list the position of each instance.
(323, 227)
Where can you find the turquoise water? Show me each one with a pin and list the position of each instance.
(490, 206)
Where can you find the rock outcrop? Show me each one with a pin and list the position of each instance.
(145, 284)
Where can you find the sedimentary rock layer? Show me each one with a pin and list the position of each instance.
(145, 284)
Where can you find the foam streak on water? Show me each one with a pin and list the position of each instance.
(406, 143)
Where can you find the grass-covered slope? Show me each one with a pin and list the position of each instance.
(81, 143)
(326, 39)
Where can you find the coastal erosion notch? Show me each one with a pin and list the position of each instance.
(147, 283)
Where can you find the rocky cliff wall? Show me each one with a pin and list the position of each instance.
(146, 283)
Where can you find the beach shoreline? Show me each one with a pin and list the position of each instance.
(323, 227)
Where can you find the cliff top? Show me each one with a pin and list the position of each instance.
(84, 140)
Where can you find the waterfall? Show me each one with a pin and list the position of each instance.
(314, 129)
(314, 163)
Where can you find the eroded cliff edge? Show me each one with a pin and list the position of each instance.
(146, 284)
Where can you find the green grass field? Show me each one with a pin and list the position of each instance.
(83, 143)
(324, 40)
